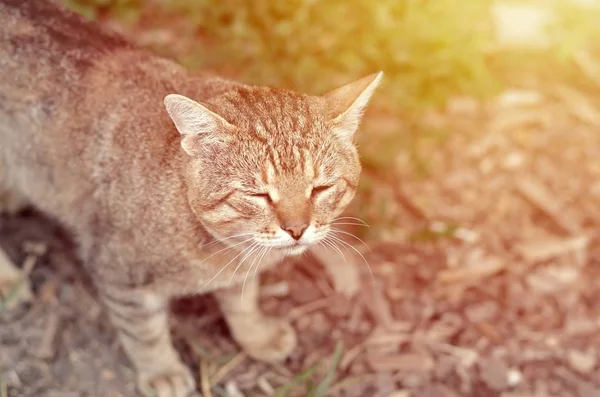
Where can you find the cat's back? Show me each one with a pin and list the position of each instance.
(44, 33)
(45, 52)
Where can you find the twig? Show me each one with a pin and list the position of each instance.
(205, 379)
(3, 387)
(227, 367)
(333, 391)
(46, 347)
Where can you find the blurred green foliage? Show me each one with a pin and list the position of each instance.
(125, 10)
(429, 50)
(576, 28)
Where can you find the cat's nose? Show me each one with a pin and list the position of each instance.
(296, 231)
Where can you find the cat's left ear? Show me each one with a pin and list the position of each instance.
(346, 105)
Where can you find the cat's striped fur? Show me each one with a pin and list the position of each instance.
(165, 195)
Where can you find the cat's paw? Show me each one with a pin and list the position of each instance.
(272, 341)
(173, 382)
(343, 271)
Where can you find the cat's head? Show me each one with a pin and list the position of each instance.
(271, 167)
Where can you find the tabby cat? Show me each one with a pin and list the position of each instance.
(168, 195)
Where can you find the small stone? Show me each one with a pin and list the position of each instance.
(514, 377)
(494, 372)
(580, 361)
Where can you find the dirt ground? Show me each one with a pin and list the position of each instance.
(484, 278)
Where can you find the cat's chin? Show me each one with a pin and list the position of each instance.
(295, 250)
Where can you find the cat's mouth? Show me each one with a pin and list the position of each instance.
(295, 249)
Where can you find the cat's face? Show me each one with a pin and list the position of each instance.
(271, 168)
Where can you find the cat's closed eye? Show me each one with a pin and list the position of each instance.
(266, 196)
(319, 189)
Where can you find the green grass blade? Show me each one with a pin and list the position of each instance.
(321, 389)
(306, 374)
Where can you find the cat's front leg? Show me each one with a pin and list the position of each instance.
(342, 267)
(141, 321)
(263, 338)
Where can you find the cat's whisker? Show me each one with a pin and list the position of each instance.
(352, 218)
(258, 265)
(335, 230)
(357, 251)
(262, 249)
(350, 224)
(230, 247)
(255, 246)
(329, 243)
(228, 263)
(217, 241)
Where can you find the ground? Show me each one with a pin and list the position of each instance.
(484, 254)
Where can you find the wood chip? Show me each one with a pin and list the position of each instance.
(350, 355)
(227, 368)
(300, 311)
(400, 393)
(47, 346)
(494, 372)
(418, 362)
(407, 201)
(538, 195)
(378, 305)
(583, 362)
(486, 267)
(544, 249)
(265, 386)
(232, 390)
(384, 337)
(551, 279)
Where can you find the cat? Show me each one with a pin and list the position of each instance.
(171, 183)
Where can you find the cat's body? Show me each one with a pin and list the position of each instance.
(85, 137)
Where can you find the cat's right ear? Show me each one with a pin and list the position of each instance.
(199, 126)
